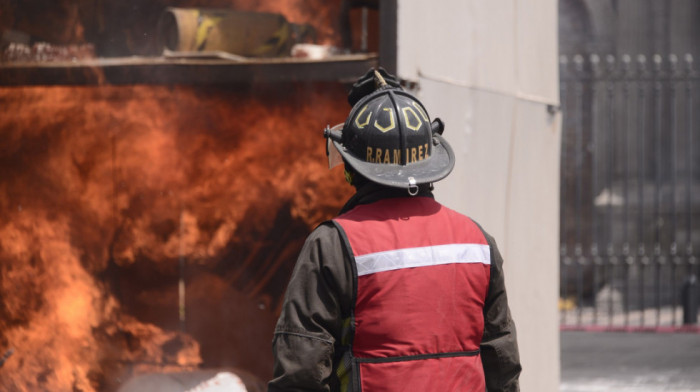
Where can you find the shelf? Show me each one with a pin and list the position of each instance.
(198, 69)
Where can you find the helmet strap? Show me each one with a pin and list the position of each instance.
(349, 176)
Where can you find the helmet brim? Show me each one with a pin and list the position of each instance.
(434, 168)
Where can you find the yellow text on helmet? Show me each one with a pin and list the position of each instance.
(393, 156)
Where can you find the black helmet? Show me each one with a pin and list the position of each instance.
(389, 139)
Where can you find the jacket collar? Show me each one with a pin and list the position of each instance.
(371, 192)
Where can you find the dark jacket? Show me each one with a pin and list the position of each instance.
(307, 343)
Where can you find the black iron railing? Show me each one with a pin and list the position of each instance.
(630, 191)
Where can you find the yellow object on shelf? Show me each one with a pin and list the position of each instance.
(244, 33)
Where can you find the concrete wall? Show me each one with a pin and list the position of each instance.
(489, 70)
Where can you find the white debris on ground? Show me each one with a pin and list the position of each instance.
(222, 382)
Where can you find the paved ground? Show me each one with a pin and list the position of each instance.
(629, 362)
(590, 362)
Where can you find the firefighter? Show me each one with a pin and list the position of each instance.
(397, 293)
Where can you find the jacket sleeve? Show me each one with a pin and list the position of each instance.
(311, 318)
(499, 346)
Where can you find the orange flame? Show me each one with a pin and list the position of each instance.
(104, 191)
(324, 16)
(103, 23)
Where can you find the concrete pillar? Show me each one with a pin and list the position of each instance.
(489, 69)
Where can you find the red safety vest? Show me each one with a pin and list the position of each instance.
(422, 273)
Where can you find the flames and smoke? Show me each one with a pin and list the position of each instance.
(128, 27)
(106, 192)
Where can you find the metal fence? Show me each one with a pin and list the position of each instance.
(630, 191)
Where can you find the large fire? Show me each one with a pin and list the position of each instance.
(128, 27)
(110, 196)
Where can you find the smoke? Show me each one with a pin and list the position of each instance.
(128, 27)
(110, 195)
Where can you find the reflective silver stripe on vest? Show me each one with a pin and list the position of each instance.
(422, 257)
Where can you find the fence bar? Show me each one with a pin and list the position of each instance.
(689, 168)
(689, 179)
(578, 248)
(563, 63)
(610, 253)
(673, 260)
(626, 60)
(656, 260)
(594, 254)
